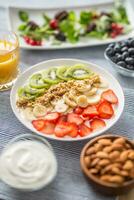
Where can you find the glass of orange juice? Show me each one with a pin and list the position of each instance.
(9, 59)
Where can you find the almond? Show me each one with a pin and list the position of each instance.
(105, 142)
(98, 147)
(95, 162)
(116, 170)
(90, 151)
(124, 173)
(107, 149)
(119, 141)
(93, 171)
(105, 178)
(102, 154)
(104, 162)
(131, 173)
(128, 165)
(131, 155)
(117, 146)
(87, 161)
(114, 155)
(116, 179)
(124, 156)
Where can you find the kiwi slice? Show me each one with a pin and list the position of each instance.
(37, 82)
(33, 91)
(79, 71)
(61, 73)
(50, 76)
(23, 94)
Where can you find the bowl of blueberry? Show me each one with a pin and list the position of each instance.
(121, 56)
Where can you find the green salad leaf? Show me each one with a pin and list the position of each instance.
(85, 17)
(23, 16)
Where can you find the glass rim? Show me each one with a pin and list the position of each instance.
(16, 38)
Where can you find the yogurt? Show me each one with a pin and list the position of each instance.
(27, 165)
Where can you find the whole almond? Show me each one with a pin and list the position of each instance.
(109, 167)
(117, 146)
(95, 162)
(116, 170)
(98, 147)
(90, 151)
(92, 156)
(128, 165)
(107, 149)
(114, 155)
(131, 173)
(116, 179)
(87, 161)
(102, 154)
(128, 146)
(124, 156)
(105, 142)
(131, 155)
(104, 162)
(93, 171)
(119, 141)
(124, 173)
(106, 178)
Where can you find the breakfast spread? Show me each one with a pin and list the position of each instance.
(27, 165)
(122, 53)
(67, 101)
(69, 26)
(110, 160)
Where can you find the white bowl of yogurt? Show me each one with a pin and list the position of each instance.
(28, 163)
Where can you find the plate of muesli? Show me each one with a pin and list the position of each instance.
(67, 99)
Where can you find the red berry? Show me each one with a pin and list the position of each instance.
(54, 24)
(26, 38)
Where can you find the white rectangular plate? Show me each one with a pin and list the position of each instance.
(36, 14)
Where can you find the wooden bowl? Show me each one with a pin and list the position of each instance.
(104, 187)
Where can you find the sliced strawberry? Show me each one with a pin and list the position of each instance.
(62, 129)
(78, 110)
(53, 116)
(110, 96)
(48, 128)
(74, 118)
(97, 124)
(84, 130)
(38, 124)
(74, 130)
(105, 110)
(62, 118)
(90, 111)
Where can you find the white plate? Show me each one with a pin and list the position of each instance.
(36, 14)
(113, 84)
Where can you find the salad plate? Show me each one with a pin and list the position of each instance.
(72, 27)
(71, 118)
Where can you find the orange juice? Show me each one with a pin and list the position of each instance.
(9, 59)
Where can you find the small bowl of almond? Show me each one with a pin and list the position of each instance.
(108, 163)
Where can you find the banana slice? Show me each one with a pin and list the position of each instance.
(68, 101)
(39, 110)
(28, 114)
(103, 84)
(61, 107)
(84, 88)
(82, 101)
(92, 100)
(91, 92)
(60, 101)
(72, 95)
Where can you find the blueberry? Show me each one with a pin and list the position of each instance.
(121, 63)
(132, 43)
(117, 49)
(129, 60)
(119, 57)
(111, 45)
(124, 49)
(125, 54)
(109, 52)
(131, 51)
(122, 44)
(114, 59)
(60, 36)
(131, 67)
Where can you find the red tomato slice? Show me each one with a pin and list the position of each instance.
(74, 118)
(38, 124)
(105, 110)
(84, 130)
(97, 124)
(110, 96)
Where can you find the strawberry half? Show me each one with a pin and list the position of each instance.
(105, 110)
(110, 96)
(74, 130)
(62, 129)
(38, 124)
(97, 124)
(48, 128)
(74, 118)
(53, 117)
(62, 118)
(84, 130)
(90, 111)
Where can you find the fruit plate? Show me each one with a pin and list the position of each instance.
(113, 84)
(36, 15)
